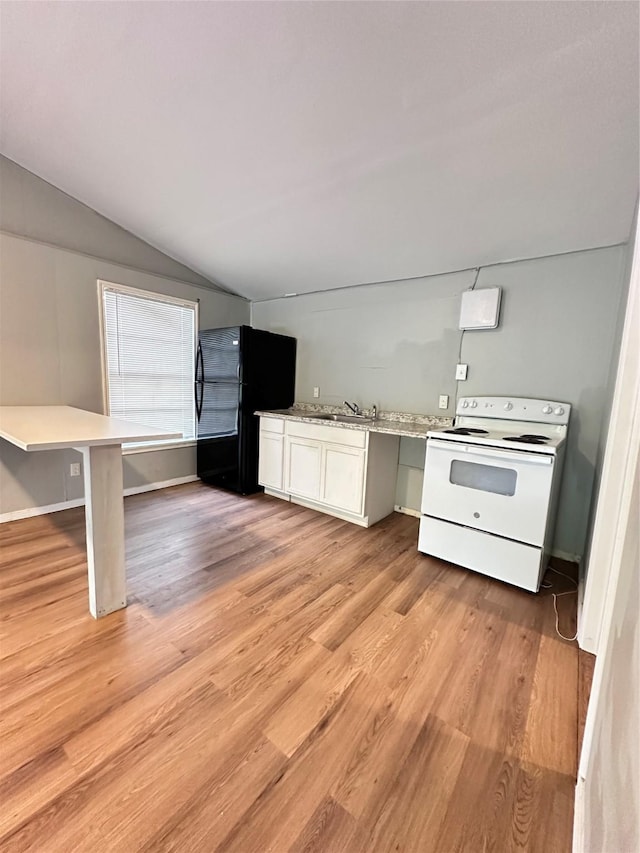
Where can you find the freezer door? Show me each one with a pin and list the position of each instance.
(219, 355)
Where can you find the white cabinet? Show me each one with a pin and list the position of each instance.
(270, 460)
(271, 454)
(345, 472)
(343, 480)
(303, 467)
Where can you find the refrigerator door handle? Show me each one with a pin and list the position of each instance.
(199, 382)
(198, 402)
(199, 364)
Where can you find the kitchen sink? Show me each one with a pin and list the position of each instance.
(342, 419)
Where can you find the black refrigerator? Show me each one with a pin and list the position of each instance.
(238, 370)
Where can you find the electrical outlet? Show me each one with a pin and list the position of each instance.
(316, 391)
(443, 401)
(461, 371)
(74, 469)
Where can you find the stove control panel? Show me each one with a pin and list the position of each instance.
(516, 408)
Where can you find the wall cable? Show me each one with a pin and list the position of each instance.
(556, 596)
(462, 331)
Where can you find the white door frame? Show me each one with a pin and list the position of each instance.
(614, 469)
(615, 517)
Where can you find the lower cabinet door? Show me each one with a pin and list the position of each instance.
(303, 467)
(343, 480)
(270, 460)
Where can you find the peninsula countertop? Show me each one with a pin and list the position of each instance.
(393, 423)
(60, 427)
(99, 438)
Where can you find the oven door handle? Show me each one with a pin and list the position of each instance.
(498, 455)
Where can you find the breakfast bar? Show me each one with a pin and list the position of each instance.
(99, 439)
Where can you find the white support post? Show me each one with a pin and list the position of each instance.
(105, 528)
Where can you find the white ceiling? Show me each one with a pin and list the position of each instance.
(289, 147)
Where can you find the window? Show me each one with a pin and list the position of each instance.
(485, 478)
(149, 343)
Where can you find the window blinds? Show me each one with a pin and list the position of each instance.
(149, 359)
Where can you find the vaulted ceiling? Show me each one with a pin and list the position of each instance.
(297, 146)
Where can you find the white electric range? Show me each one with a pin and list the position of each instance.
(491, 485)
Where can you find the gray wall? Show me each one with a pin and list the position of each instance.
(397, 345)
(392, 344)
(49, 329)
(31, 207)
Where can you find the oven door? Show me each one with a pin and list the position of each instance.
(505, 492)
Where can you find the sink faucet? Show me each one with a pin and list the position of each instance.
(355, 408)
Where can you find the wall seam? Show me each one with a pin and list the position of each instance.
(213, 289)
(486, 266)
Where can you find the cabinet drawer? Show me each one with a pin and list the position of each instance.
(333, 434)
(272, 425)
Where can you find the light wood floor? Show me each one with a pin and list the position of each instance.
(281, 681)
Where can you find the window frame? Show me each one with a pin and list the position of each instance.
(153, 296)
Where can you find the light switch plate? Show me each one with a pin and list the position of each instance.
(74, 469)
(461, 371)
(443, 401)
(316, 391)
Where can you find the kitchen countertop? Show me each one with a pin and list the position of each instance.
(393, 423)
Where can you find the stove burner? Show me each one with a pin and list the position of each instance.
(526, 439)
(467, 431)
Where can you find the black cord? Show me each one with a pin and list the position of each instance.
(475, 281)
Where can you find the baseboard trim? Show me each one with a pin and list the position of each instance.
(578, 818)
(276, 494)
(585, 642)
(163, 484)
(406, 510)
(565, 555)
(345, 516)
(34, 511)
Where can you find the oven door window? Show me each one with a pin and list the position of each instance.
(484, 478)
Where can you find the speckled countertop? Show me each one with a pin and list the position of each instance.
(394, 423)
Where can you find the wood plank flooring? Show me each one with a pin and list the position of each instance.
(281, 681)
